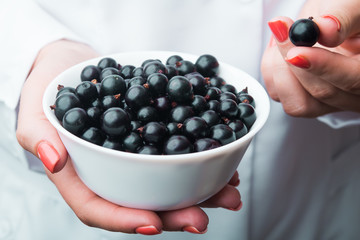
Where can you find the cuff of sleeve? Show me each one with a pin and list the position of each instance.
(341, 119)
(28, 28)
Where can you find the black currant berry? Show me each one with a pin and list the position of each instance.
(65, 102)
(115, 122)
(211, 117)
(304, 32)
(110, 101)
(139, 80)
(177, 144)
(154, 133)
(222, 133)
(149, 150)
(204, 144)
(147, 114)
(228, 88)
(185, 67)
(199, 84)
(171, 71)
(216, 81)
(112, 85)
(93, 135)
(174, 128)
(94, 114)
(62, 90)
(246, 98)
(112, 144)
(214, 105)
(228, 108)
(180, 90)
(89, 73)
(212, 93)
(195, 127)
(127, 71)
(207, 65)
(75, 121)
(137, 96)
(157, 83)
(180, 113)
(172, 60)
(138, 71)
(238, 127)
(109, 71)
(132, 142)
(107, 62)
(199, 104)
(87, 92)
(154, 67)
(162, 104)
(247, 114)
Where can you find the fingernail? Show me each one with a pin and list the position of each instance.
(147, 230)
(48, 155)
(237, 208)
(334, 19)
(298, 61)
(279, 29)
(194, 230)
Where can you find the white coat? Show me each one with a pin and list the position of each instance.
(300, 178)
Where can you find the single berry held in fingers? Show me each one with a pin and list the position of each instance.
(304, 32)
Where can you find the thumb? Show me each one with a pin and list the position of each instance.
(338, 21)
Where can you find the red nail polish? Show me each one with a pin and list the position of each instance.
(194, 230)
(147, 230)
(299, 61)
(48, 155)
(279, 29)
(332, 17)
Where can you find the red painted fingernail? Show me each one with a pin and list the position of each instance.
(147, 230)
(48, 155)
(237, 208)
(333, 18)
(279, 29)
(194, 230)
(299, 61)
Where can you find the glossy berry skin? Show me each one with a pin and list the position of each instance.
(211, 117)
(204, 144)
(75, 120)
(212, 93)
(112, 144)
(138, 71)
(171, 71)
(112, 85)
(199, 84)
(195, 127)
(108, 71)
(180, 90)
(132, 142)
(62, 90)
(185, 67)
(172, 60)
(199, 104)
(149, 150)
(228, 88)
(247, 114)
(238, 127)
(246, 98)
(137, 97)
(180, 113)
(147, 114)
(110, 101)
(154, 67)
(115, 122)
(222, 133)
(157, 83)
(304, 32)
(87, 92)
(107, 62)
(214, 105)
(139, 80)
(89, 73)
(154, 133)
(65, 102)
(174, 128)
(178, 144)
(94, 114)
(207, 65)
(162, 104)
(93, 135)
(127, 71)
(228, 108)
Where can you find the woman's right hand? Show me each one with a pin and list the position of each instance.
(37, 135)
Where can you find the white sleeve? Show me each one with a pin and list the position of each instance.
(25, 28)
(341, 119)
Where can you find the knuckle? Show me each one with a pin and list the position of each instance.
(323, 93)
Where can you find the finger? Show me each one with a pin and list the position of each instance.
(337, 21)
(34, 131)
(295, 99)
(192, 219)
(280, 26)
(330, 77)
(235, 181)
(229, 198)
(97, 212)
(267, 69)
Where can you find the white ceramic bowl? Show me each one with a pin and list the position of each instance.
(161, 182)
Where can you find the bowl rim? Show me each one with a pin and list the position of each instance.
(183, 158)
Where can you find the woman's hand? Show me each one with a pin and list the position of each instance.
(311, 82)
(37, 135)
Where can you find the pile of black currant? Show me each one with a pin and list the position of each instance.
(158, 108)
